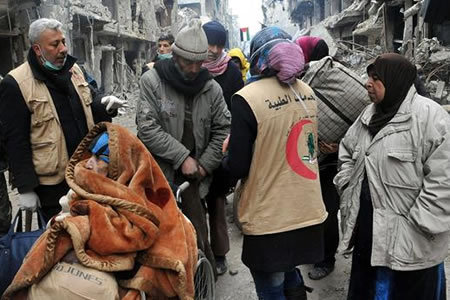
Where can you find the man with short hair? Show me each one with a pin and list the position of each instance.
(46, 108)
(228, 76)
(164, 51)
(165, 42)
(183, 120)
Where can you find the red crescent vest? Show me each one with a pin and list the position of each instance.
(282, 191)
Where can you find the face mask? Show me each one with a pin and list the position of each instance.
(164, 56)
(48, 65)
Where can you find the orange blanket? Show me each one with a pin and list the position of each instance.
(130, 217)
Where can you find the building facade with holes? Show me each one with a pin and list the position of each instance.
(112, 39)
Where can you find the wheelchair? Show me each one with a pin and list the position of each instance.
(204, 281)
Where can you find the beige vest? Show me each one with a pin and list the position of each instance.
(48, 145)
(282, 191)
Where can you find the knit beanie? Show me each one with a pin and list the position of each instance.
(216, 33)
(191, 42)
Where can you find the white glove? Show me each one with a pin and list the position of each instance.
(65, 208)
(29, 201)
(112, 103)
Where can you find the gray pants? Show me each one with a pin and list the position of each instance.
(5, 206)
(193, 207)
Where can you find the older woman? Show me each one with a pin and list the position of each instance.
(395, 182)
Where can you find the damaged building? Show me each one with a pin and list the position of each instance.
(210, 10)
(110, 38)
(358, 30)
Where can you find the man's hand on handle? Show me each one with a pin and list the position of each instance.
(192, 169)
(189, 168)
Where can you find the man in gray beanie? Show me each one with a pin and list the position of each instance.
(183, 120)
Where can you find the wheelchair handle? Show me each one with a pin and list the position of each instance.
(181, 188)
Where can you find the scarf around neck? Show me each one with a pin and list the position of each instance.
(219, 66)
(397, 75)
(169, 73)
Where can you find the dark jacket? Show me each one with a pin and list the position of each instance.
(15, 119)
(230, 82)
(3, 162)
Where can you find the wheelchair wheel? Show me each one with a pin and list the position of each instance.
(204, 279)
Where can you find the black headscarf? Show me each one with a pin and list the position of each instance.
(168, 72)
(397, 75)
(320, 51)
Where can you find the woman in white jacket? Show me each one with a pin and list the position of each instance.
(394, 179)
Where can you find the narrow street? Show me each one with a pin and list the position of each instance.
(114, 41)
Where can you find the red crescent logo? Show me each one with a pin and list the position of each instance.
(294, 161)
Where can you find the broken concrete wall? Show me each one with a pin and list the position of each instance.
(276, 13)
(359, 30)
(208, 10)
(107, 36)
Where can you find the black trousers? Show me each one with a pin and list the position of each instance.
(215, 202)
(5, 206)
(49, 196)
(331, 226)
(193, 207)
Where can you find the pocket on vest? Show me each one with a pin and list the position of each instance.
(85, 93)
(45, 158)
(41, 111)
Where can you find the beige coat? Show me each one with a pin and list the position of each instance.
(408, 167)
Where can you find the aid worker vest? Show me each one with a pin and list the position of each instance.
(48, 145)
(282, 191)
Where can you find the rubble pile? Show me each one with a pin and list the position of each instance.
(433, 62)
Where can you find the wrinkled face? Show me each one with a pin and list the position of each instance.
(97, 165)
(164, 47)
(52, 46)
(189, 68)
(214, 52)
(375, 88)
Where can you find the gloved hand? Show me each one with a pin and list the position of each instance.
(29, 201)
(65, 207)
(112, 103)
